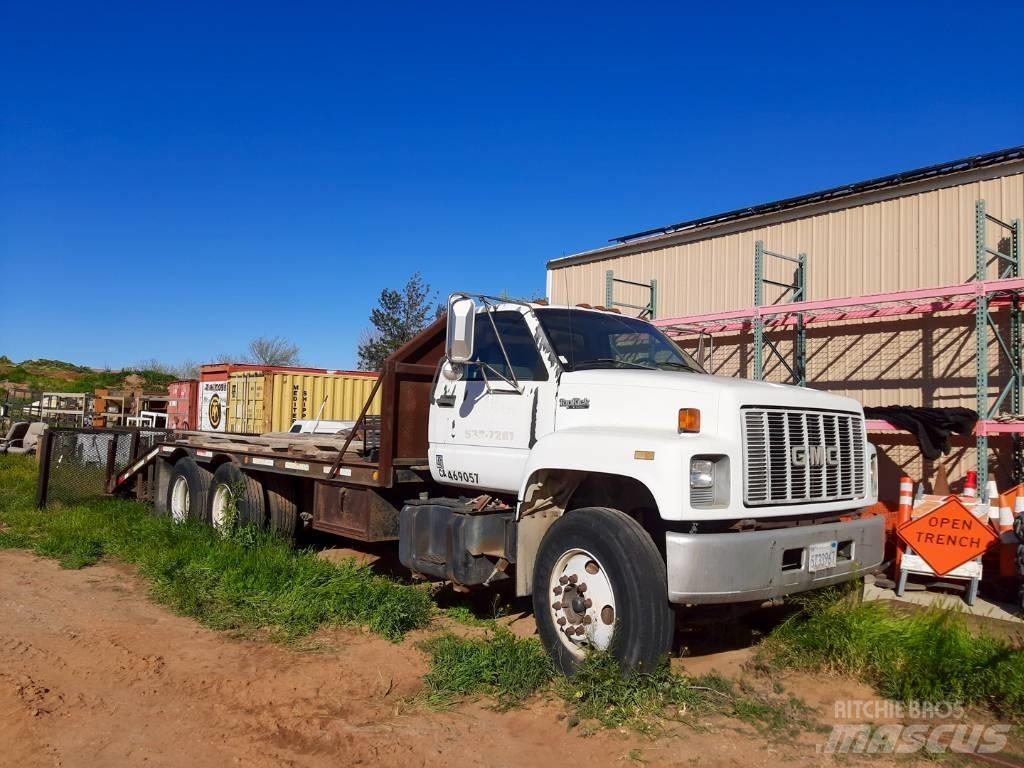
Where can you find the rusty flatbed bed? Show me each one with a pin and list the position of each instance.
(343, 485)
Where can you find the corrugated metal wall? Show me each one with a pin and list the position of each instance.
(920, 236)
(918, 239)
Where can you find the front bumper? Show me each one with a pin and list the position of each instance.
(749, 565)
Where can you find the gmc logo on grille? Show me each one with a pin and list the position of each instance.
(814, 455)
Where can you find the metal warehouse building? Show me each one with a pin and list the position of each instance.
(889, 290)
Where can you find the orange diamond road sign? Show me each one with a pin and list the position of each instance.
(948, 536)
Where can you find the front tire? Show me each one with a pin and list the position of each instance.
(599, 583)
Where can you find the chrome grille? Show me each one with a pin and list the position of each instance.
(772, 477)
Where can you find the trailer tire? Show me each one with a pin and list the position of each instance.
(282, 492)
(187, 490)
(623, 606)
(231, 485)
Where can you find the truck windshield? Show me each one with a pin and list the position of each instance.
(585, 339)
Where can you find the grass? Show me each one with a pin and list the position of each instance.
(500, 665)
(249, 580)
(925, 656)
(511, 669)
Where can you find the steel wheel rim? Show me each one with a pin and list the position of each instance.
(581, 602)
(180, 499)
(222, 499)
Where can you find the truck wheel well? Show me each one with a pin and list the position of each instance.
(626, 494)
(550, 493)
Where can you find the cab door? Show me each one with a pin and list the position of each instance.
(484, 424)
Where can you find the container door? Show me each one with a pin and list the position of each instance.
(213, 405)
(483, 426)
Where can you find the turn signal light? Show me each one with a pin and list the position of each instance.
(689, 420)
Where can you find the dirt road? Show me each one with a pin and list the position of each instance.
(94, 674)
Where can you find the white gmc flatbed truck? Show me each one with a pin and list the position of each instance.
(580, 454)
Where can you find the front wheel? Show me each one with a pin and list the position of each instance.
(599, 584)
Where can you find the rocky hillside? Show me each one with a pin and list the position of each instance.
(59, 376)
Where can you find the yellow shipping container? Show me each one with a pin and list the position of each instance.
(269, 401)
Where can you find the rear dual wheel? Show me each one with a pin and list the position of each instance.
(187, 490)
(230, 495)
(235, 499)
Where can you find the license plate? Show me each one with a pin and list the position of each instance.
(822, 556)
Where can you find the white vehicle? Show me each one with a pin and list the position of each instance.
(319, 426)
(583, 457)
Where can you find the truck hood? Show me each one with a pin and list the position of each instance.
(651, 399)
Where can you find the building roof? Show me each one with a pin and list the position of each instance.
(918, 174)
(834, 193)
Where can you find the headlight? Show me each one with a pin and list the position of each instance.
(702, 473)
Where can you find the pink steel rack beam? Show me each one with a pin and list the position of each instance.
(947, 298)
(872, 305)
(983, 427)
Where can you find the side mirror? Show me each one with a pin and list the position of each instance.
(461, 325)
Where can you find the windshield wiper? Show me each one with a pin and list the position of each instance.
(677, 364)
(600, 362)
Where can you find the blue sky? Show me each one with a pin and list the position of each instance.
(177, 178)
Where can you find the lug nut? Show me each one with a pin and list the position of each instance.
(588, 603)
(561, 621)
(563, 580)
(557, 590)
(581, 587)
(580, 631)
(587, 619)
(573, 579)
(557, 605)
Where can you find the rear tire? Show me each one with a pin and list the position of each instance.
(233, 487)
(188, 490)
(623, 606)
(282, 509)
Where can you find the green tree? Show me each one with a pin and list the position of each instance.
(399, 315)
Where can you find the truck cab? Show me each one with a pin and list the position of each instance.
(621, 478)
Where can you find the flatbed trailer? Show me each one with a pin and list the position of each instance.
(356, 484)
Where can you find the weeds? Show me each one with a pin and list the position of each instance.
(500, 665)
(599, 691)
(512, 669)
(246, 580)
(928, 656)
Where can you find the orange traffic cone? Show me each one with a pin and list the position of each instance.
(903, 514)
(1004, 513)
(971, 485)
(994, 502)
